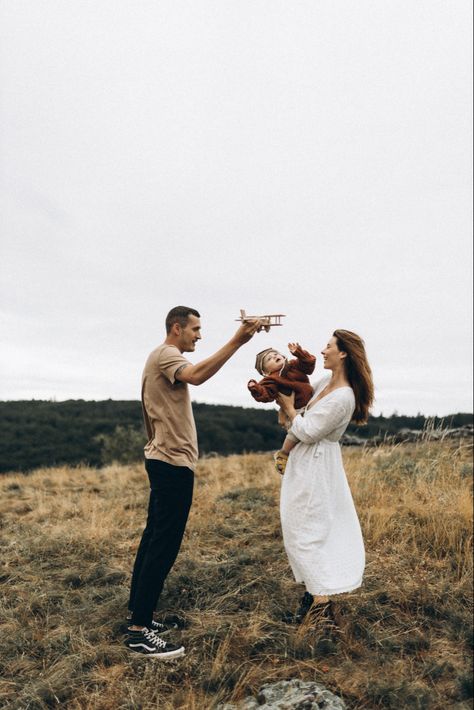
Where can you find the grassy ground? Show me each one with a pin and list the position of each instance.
(68, 538)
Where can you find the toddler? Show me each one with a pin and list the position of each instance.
(283, 375)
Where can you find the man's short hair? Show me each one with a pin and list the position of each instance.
(179, 314)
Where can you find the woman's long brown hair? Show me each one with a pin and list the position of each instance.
(358, 373)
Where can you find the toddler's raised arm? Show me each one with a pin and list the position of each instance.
(304, 360)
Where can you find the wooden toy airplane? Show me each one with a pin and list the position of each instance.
(268, 320)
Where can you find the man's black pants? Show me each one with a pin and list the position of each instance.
(171, 496)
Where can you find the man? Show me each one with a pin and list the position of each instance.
(170, 459)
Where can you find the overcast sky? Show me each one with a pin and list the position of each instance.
(310, 158)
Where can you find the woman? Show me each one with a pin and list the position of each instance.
(321, 530)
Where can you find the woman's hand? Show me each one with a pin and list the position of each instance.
(283, 420)
(287, 403)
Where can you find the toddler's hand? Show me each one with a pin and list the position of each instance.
(293, 347)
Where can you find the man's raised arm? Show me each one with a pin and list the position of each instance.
(202, 371)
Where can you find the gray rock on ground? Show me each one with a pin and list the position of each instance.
(289, 695)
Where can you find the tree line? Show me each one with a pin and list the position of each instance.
(39, 433)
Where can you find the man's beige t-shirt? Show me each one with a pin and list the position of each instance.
(167, 410)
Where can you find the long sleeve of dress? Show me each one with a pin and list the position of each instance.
(316, 425)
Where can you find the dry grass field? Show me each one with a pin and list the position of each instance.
(68, 538)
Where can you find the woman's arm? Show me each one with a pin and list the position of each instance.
(317, 424)
(287, 404)
(289, 443)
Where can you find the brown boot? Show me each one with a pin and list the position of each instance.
(298, 616)
(321, 617)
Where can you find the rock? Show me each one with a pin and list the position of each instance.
(352, 440)
(289, 695)
(405, 435)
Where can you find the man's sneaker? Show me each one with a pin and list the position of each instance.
(157, 626)
(148, 643)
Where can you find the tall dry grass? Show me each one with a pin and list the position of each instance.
(68, 538)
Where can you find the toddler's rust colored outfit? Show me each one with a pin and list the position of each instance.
(293, 377)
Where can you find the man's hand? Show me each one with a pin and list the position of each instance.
(247, 330)
(197, 374)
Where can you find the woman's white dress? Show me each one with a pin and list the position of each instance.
(321, 530)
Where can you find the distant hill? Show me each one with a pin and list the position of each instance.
(43, 433)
